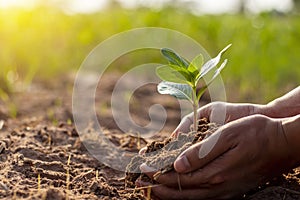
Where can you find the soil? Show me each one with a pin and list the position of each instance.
(161, 155)
(42, 157)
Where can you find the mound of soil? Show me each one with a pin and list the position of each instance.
(161, 155)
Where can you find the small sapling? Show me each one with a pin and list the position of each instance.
(181, 77)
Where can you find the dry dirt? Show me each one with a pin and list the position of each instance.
(42, 157)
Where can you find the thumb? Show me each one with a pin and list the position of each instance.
(200, 154)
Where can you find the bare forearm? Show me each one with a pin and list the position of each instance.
(291, 128)
(285, 106)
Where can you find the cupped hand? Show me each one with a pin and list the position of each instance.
(236, 158)
(220, 113)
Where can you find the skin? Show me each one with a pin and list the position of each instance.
(255, 143)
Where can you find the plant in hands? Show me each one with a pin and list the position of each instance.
(181, 77)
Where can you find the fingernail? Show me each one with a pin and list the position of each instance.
(145, 168)
(138, 183)
(141, 183)
(174, 134)
(182, 164)
(143, 150)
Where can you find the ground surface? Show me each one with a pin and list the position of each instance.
(42, 156)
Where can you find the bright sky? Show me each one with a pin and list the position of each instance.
(200, 6)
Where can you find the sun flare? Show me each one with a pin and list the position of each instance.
(17, 3)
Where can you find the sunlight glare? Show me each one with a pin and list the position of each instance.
(199, 6)
(17, 3)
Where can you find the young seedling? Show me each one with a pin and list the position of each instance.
(181, 77)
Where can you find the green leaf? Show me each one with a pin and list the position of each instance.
(193, 71)
(209, 65)
(184, 72)
(174, 58)
(179, 91)
(197, 62)
(167, 73)
(216, 74)
(218, 71)
(194, 67)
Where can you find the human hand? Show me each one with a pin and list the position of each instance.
(217, 112)
(234, 159)
(220, 113)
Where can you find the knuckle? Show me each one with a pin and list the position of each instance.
(228, 136)
(216, 179)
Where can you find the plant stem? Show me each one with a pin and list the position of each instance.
(195, 119)
(195, 108)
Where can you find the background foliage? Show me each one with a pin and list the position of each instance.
(43, 43)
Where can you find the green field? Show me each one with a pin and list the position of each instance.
(43, 43)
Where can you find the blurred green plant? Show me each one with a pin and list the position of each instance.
(44, 43)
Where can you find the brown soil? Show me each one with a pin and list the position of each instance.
(161, 155)
(42, 157)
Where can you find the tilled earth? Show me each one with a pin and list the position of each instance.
(42, 156)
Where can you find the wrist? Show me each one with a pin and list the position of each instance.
(260, 109)
(279, 109)
(268, 110)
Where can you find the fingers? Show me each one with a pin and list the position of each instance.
(200, 154)
(164, 192)
(213, 173)
(187, 121)
(142, 150)
(218, 113)
(150, 171)
(141, 183)
(202, 178)
(172, 178)
(184, 126)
